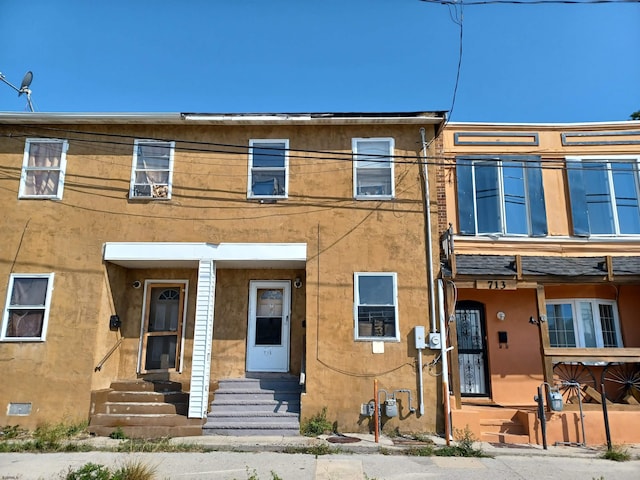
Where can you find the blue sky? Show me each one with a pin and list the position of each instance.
(520, 63)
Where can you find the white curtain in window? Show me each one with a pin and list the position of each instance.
(43, 169)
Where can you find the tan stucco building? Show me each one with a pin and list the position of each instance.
(176, 252)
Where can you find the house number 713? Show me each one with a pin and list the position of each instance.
(496, 284)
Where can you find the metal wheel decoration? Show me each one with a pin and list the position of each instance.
(621, 380)
(570, 378)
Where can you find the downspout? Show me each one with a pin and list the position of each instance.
(446, 398)
(427, 227)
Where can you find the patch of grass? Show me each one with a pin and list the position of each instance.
(118, 434)
(617, 454)
(317, 450)
(157, 445)
(129, 471)
(45, 438)
(463, 448)
(317, 424)
(10, 432)
(426, 451)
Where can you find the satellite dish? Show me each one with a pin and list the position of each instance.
(24, 87)
(26, 82)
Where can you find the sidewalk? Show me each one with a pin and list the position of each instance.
(239, 458)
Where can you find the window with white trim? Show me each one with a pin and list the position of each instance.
(43, 168)
(376, 306)
(27, 307)
(373, 168)
(268, 169)
(584, 323)
(152, 171)
(500, 196)
(604, 194)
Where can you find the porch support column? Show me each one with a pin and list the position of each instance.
(202, 340)
(543, 329)
(453, 342)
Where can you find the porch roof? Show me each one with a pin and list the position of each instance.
(188, 254)
(542, 266)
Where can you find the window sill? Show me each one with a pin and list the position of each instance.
(21, 340)
(374, 197)
(377, 339)
(39, 197)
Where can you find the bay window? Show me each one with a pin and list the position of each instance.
(586, 323)
(500, 196)
(604, 195)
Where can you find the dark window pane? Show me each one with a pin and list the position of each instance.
(268, 182)
(268, 331)
(515, 198)
(25, 323)
(488, 197)
(29, 291)
(607, 323)
(268, 155)
(579, 213)
(598, 197)
(375, 290)
(537, 208)
(164, 309)
(624, 183)
(376, 322)
(466, 208)
(161, 352)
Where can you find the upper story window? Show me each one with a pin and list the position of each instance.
(586, 323)
(27, 308)
(501, 196)
(376, 306)
(373, 168)
(152, 171)
(43, 168)
(268, 169)
(604, 195)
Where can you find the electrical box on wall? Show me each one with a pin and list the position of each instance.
(418, 333)
(434, 341)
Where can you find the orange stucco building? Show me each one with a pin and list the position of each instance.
(542, 270)
(171, 258)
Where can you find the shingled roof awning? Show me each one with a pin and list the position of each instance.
(516, 266)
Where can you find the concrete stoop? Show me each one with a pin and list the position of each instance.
(502, 425)
(142, 409)
(260, 404)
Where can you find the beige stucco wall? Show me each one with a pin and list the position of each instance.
(209, 204)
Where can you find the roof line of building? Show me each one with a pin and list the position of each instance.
(315, 118)
(453, 125)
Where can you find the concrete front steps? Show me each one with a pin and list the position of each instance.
(493, 424)
(142, 409)
(260, 404)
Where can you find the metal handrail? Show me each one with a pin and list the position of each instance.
(109, 353)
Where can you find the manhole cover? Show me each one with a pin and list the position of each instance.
(342, 439)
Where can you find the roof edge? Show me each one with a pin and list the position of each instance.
(175, 118)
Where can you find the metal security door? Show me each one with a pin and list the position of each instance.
(472, 349)
(268, 330)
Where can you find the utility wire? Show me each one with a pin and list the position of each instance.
(447, 161)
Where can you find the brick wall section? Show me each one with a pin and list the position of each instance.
(441, 201)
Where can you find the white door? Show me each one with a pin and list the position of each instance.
(268, 332)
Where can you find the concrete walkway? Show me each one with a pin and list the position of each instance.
(241, 458)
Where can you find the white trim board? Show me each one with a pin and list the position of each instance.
(186, 254)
